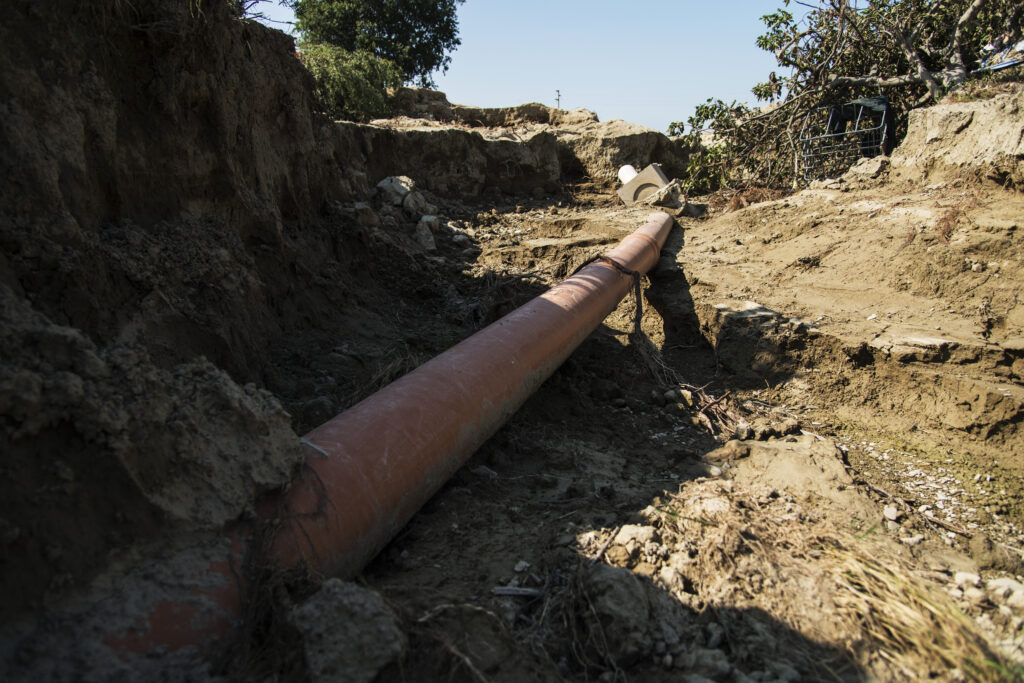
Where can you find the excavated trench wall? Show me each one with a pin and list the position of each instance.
(168, 218)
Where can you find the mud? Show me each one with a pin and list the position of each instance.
(196, 268)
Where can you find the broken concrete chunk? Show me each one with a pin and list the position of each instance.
(646, 183)
(394, 189)
(348, 633)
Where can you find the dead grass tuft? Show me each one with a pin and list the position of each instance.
(765, 550)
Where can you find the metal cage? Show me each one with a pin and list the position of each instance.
(833, 138)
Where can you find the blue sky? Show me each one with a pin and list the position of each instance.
(650, 63)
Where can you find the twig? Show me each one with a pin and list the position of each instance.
(600, 553)
(517, 592)
(910, 508)
(720, 398)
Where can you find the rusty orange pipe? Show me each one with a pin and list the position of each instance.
(378, 462)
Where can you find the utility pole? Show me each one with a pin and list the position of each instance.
(558, 99)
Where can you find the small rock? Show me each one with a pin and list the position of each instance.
(764, 431)
(892, 513)
(667, 661)
(694, 210)
(394, 189)
(714, 471)
(912, 540)
(1004, 588)
(521, 566)
(366, 216)
(743, 432)
(424, 237)
(891, 525)
(974, 595)
(789, 426)
(347, 631)
(414, 204)
(461, 239)
(961, 579)
(432, 222)
(634, 532)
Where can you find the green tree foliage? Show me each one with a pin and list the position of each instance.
(912, 51)
(415, 35)
(350, 85)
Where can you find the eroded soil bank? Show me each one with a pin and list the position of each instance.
(807, 466)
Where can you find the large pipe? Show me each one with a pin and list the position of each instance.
(377, 463)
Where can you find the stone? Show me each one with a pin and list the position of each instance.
(393, 189)
(424, 237)
(891, 513)
(462, 239)
(431, 222)
(912, 540)
(415, 204)
(691, 210)
(789, 426)
(743, 431)
(348, 633)
(966, 578)
(868, 168)
(365, 215)
(621, 610)
(634, 532)
(763, 431)
(1003, 588)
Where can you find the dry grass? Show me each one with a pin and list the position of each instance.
(850, 593)
(910, 625)
(395, 362)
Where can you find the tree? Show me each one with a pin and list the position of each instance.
(913, 51)
(350, 85)
(416, 35)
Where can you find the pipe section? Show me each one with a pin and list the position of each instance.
(377, 463)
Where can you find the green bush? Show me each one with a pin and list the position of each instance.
(350, 85)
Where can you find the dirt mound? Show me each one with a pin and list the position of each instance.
(975, 139)
(422, 103)
(103, 449)
(588, 148)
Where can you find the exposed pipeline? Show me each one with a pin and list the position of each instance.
(374, 465)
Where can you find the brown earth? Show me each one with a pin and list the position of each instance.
(196, 269)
